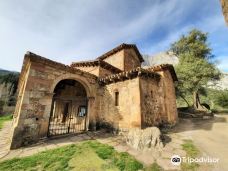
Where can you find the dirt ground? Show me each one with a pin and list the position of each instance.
(210, 136)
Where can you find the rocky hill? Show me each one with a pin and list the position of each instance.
(170, 58)
(223, 83)
(160, 58)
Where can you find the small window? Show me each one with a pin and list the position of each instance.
(116, 98)
(151, 93)
(82, 111)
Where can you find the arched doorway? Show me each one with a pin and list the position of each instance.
(69, 108)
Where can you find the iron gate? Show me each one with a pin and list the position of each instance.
(65, 120)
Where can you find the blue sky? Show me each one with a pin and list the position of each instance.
(71, 30)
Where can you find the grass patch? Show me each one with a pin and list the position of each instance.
(56, 159)
(123, 161)
(4, 118)
(87, 159)
(191, 151)
(154, 167)
(190, 148)
(90, 155)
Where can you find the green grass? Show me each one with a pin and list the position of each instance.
(190, 148)
(3, 119)
(154, 167)
(56, 159)
(191, 151)
(90, 155)
(123, 161)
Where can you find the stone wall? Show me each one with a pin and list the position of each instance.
(116, 59)
(92, 69)
(96, 70)
(143, 102)
(152, 100)
(125, 60)
(104, 72)
(169, 97)
(38, 79)
(131, 60)
(127, 114)
(158, 100)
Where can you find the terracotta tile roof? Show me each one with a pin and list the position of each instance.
(128, 75)
(119, 48)
(97, 62)
(164, 67)
(148, 72)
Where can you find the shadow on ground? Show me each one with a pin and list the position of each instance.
(190, 124)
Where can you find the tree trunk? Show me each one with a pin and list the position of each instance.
(196, 101)
(185, 100)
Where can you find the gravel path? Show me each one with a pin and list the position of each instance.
(5, 133)
(210, 136)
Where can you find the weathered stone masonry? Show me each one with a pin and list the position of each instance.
(118, 92)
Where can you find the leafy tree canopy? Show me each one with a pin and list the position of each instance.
(196, 63)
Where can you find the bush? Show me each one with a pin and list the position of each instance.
(222, 99)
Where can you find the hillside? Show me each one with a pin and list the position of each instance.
(4, 72)
(11, 79)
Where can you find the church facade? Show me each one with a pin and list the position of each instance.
(112, 91)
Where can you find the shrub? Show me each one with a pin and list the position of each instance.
(222, 99)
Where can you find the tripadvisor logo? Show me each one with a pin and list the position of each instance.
(176, 160)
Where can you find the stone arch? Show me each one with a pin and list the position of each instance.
(69, 108)
(75, 77)
(90, 91)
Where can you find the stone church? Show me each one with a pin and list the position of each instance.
(112, 91)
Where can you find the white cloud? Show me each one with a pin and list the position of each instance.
(69, 30)
(223, 63)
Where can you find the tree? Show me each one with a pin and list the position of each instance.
(196, 65)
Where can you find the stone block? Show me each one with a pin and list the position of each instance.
(29, 121)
